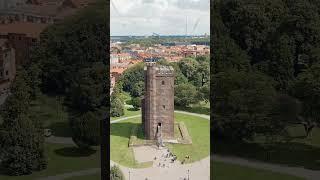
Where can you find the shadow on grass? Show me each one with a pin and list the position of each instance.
(287, 153)
(133, 109)
(61, 129)
(74, 152)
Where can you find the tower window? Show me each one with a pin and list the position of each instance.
(162, 82)
(164, 107)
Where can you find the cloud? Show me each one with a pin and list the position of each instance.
(143, 17)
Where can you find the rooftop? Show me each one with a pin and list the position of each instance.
(164, 69)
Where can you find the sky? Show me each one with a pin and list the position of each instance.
(163, 17)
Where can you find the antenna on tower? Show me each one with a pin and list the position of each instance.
(186, 26)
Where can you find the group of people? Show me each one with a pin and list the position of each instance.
(167, 155)
(172, 158)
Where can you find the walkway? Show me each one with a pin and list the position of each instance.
(60, 140)
(125, 118)
(197, 170)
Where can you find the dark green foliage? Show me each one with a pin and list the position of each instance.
(204, 92)
(307, 89)
(242, 103)
(188, 67)
(136, 102)
(86, 129)
(279, 38)
(132, 76)
(116, 173)
(279, 62)
(137, 89)
(21, 134)
(192, 71)
(117, 107)
(72, 45)
(185, 94)
(71, 57)
(88, 93)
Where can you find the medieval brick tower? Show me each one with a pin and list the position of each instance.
(158, 101)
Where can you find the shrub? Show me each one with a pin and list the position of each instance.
(116, 173)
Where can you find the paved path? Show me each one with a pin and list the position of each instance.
(294, 171)
(60, 140)
(194, 114)
(197, 170)
(125, 118)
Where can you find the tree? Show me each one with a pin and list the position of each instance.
(136, 102)
(306, 89)
(117, 108)
(280, 54)
(131, 77)
(242, 105)
(88, 90)
(21, 137)
(188, 67)
(228, 53)
(137, 89)
(74, 44)
(185, 94)
(250, 22)
(116, 173)
(85, 128)
(204, 92)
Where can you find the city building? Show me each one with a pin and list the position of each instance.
(39, 11)
(7, 68)
(22, 36)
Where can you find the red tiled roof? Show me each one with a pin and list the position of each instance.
(117, 70)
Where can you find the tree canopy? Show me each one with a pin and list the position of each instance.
(264, 66)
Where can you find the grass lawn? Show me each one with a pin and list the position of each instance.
(199, 130)
(223, 171)
(87, 177)
(297, 151)
(63, 159)
(127, 113)
(53, 114)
